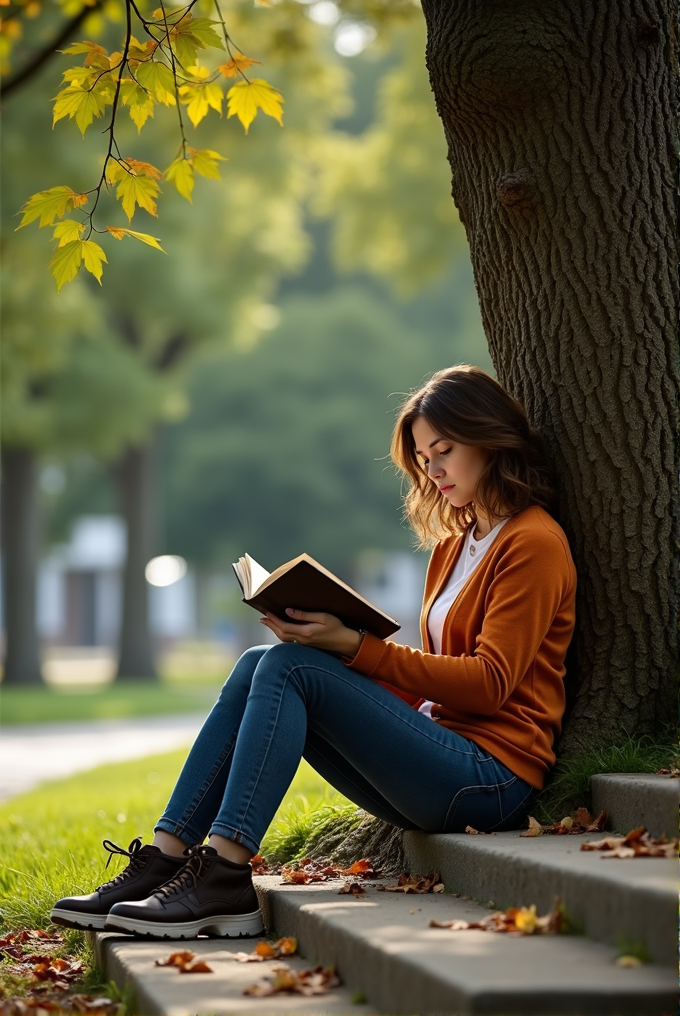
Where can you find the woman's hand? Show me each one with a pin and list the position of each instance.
(322, 631)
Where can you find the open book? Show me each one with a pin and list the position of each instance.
(305, 584)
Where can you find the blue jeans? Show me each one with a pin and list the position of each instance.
(287, 701)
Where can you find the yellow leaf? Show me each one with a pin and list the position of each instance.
(141, 111)
(198, 98)
(50, 204)
(238, 63)
(118, 232)
(82, 104)
(144, 169)
(246, 97)
(93, 256)
(67, 230)
(137, 190)
(158, 79)
(526, 919)
(204, 161)
(181, 173)
(65, 262)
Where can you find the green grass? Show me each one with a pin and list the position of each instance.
(569, 786)
(50, 838)
(44, 704)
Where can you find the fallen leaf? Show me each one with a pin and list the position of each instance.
(515, 921)
(472, 831)
(415, 910)
(628, 961)
(196, 968)
(636, 843)
(266, 951)
(535, 828)
(580, 822)
(407, 883)
(177, 959)
(315, 981)
(352, 888)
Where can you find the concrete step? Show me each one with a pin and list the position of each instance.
(638, 799)
(381, 945)
(384, 950)
(613, 899)
(162, 991)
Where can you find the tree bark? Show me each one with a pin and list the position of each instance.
(20, 548)
(136, 483)
(559, 121)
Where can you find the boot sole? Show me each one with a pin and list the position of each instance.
(74, 919)
(224, 926)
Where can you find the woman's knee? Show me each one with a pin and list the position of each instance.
(246, 666)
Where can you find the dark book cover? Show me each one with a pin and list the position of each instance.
(310, 588)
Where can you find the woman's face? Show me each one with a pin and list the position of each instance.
(454, 467)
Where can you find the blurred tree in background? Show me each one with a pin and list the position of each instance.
(117, 371)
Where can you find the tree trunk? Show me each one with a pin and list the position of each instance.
(558, 118)
(20, 548)
(135, 476)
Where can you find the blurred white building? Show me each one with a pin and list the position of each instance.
(80, 590)
(394, 581)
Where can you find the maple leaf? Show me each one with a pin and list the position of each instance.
(65, 263)
(96, 54)
(181, 173)
(118, 232)
(204, 161)
(199, 97)
(246, 97)
(158, 79)
(67, 230)
(141, 105)
(82, 104)
(189, 35)
(50, 204)
(233, 67)
(137, 190)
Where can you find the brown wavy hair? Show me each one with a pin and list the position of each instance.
(466, 405)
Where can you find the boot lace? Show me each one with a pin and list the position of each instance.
(136, 862)
(187, 876)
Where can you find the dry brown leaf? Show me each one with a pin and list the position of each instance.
(196, 968)
(407, 883)
(316, 981)
(353, 888)
(636, 843)
(266, 951)
(514, 921)
(580, 822)
(535, 828)
(177, 959)
(182, 960)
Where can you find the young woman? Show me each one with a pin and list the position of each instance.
(458, 733)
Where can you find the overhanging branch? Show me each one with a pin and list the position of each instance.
(34, 64)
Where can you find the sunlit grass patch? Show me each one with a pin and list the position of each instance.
(51, 838)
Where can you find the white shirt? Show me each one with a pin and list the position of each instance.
(472, 553)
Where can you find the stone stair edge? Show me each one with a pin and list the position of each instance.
(377, 960)
(637, 799)
(613, 899)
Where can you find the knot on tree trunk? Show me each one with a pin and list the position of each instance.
(515, 189)
(648, 34)
(346, 838)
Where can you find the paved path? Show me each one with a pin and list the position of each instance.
(33, 753)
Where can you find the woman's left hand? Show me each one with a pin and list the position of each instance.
(322, 631)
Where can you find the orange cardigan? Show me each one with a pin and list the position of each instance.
(499, 678)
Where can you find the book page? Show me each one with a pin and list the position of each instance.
(257, 575)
